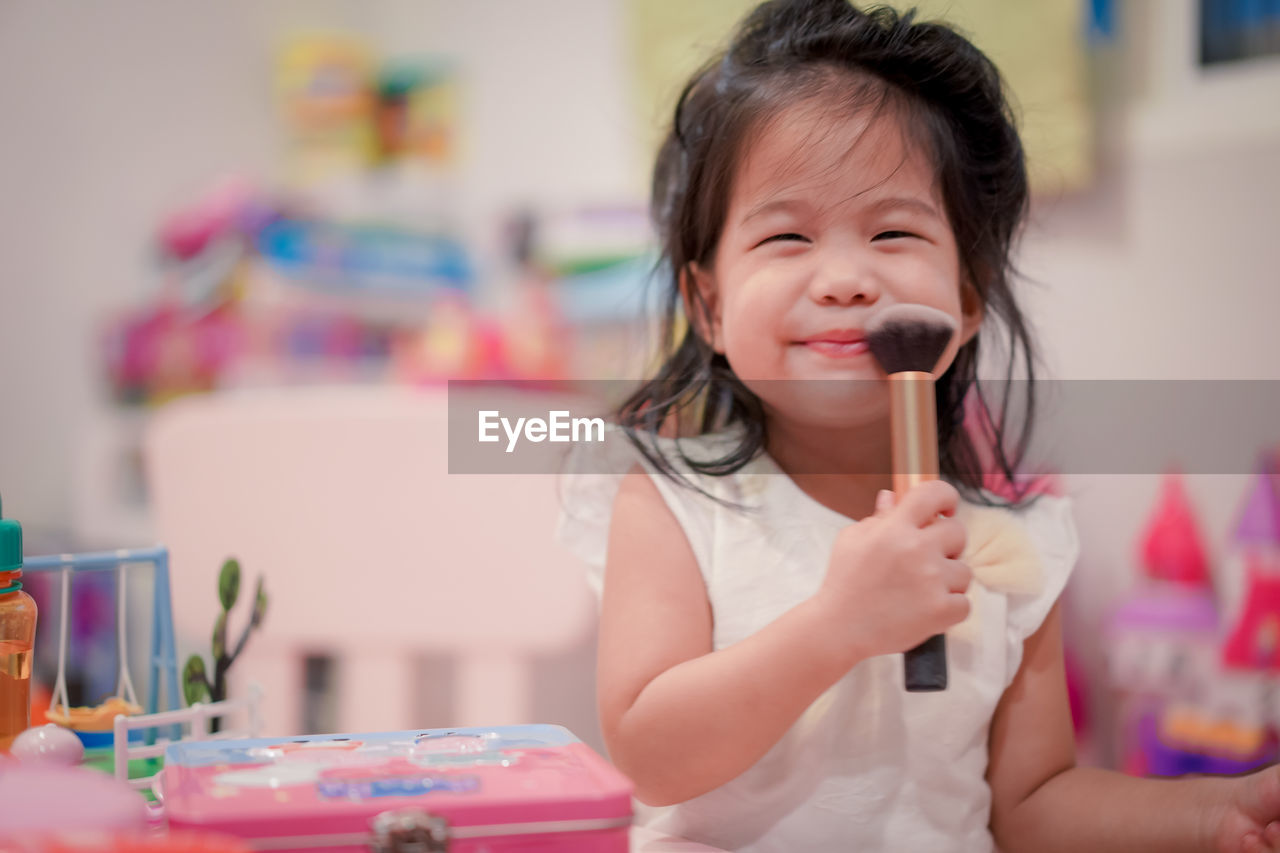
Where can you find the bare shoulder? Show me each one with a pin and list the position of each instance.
(638, 493)
(647, 546)
(654, 613)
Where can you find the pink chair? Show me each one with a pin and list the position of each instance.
(372, 552)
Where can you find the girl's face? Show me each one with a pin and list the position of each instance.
(830, 220)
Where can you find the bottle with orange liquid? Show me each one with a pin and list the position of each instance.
(17, 637)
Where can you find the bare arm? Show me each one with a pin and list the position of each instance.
(679, 719)
(1042, 802)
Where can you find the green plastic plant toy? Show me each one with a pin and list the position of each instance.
(195, 680)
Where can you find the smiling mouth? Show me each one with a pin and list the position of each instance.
(837, 348)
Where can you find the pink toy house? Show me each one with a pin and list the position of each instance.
(1254, 641)
(1166, 658)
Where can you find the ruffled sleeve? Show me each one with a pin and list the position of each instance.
(1050, 524)
(588, 486)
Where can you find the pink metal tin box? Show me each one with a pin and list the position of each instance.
(525, 788)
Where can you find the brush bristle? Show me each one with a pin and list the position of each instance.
(909, 337)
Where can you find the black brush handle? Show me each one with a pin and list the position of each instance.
(926, 665)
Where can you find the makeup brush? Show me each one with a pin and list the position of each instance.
(908, 341)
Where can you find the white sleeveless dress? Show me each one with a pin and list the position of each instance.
(869, 766)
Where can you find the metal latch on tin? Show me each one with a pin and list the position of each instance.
(409, 831)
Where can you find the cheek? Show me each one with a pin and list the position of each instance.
(751, 320)
(932, 278)
(930, 282)
(748, 356)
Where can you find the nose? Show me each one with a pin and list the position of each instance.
(843, 279)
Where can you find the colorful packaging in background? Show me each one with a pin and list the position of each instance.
(265, 291)
(416, 113)
(344, 111)
(354, 264)
(326, 92)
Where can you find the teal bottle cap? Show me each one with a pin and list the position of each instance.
(10, 544)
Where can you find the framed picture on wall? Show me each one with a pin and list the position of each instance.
(1234, 30)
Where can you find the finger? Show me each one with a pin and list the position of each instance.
(885, 501)
(1272, 834)
(1252, 843)
(949, 536)
(956, 609)
(926, 501)
(957, 576)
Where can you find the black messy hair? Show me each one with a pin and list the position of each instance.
(944, 90)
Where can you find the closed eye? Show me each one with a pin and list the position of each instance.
(894, 235)
(781, 237)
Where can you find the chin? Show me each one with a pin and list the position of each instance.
(827, 403)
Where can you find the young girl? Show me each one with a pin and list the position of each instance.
(758, 578)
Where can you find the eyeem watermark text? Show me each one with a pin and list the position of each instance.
(558, 427)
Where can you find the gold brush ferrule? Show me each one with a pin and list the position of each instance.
(914, 423)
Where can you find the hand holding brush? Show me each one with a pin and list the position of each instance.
(908, 341)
